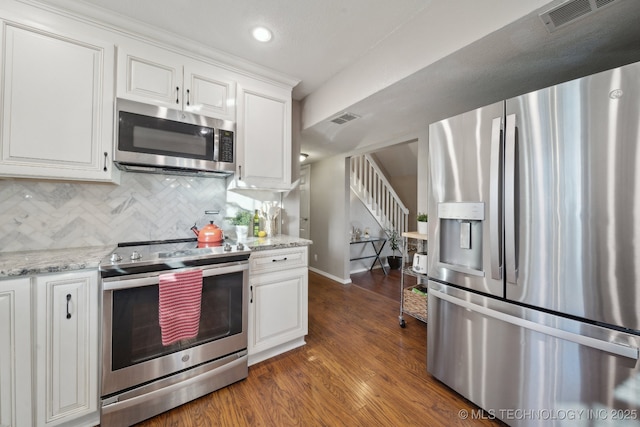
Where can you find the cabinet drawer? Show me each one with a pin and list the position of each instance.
(278, 259)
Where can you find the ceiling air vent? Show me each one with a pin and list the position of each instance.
(571, 11)
(344, 118)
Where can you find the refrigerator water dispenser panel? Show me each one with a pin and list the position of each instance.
(461, 236)
(465, 235)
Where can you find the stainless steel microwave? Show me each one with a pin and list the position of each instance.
(158, 139)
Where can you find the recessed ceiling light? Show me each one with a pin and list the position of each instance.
(262, 34)
(303, 157)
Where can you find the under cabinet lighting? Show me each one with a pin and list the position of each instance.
(303, 157)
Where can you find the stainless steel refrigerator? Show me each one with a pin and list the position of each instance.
(534, 253)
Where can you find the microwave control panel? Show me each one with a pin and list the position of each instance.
(225, 150)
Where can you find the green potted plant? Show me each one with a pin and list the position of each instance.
(423, 225)
(241, 220)
(395, 262)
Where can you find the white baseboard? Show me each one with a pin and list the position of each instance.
(274, 351)
(330, 276)
(363, 269)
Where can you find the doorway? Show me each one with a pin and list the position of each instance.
(305, 208)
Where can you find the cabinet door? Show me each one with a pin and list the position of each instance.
(57, 107)
(15, 353)
(276, 260)
(279, 308)
(150, 75)
(209, 91)
(67, 347)
(264, 137)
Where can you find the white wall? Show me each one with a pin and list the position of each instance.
(441, 29)
(330, 218)
(424, 174)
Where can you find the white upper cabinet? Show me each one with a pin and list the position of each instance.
(209, 92)
(155, 81)
(264, 137)
(57, 104)
(160, 77)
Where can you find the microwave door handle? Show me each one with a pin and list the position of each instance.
(495, 199)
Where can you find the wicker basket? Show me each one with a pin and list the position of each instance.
(414, 304)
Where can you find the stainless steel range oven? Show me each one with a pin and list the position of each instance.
(141, 376)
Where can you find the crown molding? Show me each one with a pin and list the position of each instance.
(101, 18)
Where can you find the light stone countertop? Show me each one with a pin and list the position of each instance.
(29, 263)
(280, 241)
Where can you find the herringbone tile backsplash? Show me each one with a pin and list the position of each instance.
(50, 214)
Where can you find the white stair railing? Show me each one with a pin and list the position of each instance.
(371, 186)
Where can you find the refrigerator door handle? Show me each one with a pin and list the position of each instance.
(609, 347)
(510, 198)
(495, 199)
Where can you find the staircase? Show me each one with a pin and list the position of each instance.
(371, 186)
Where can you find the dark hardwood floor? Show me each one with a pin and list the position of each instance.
(387, 285)
(359, 368)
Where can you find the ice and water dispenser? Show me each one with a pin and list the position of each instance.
(461, 236)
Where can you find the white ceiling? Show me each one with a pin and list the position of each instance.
(464, 54)
(312, 39)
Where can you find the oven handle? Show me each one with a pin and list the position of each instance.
(152, 278)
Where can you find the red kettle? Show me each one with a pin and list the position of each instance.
(210, 233)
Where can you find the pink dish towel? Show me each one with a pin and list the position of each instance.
(179, 305)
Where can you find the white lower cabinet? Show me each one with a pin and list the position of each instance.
(66, 368)
(278, 307)
(15, 353)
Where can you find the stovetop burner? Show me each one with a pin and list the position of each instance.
(138, 257)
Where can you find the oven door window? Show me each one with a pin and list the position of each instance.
(136, 335)
(143, 134)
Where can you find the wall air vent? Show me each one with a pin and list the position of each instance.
(344, 118)
(571, 11)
